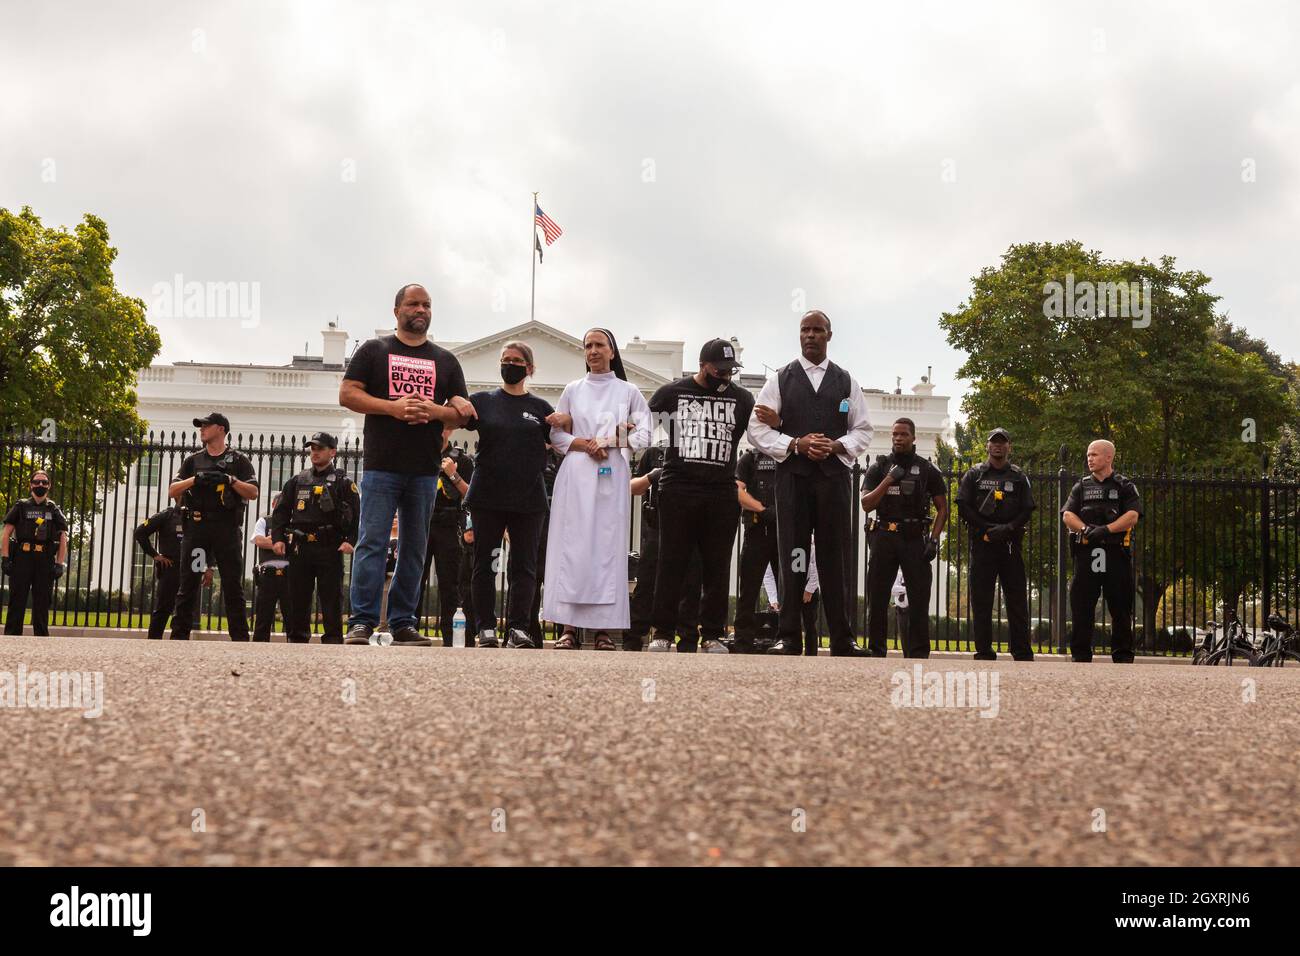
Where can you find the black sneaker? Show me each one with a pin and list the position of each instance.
(487, 638)
(410, 637)
(519, 638)
(359, 634)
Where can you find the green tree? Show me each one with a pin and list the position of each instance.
(71, 344)
(1169, 382)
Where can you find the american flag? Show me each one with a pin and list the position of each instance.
(549, 229)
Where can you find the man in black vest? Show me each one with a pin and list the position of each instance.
(34, 546)
(813, 420)
(316, 524)
(445, 550)
(900, 490)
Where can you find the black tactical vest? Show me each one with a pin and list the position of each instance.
(907, 499)
(999, 495)
(318, 499)
(35, 523)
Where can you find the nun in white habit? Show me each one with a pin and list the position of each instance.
(599, 420)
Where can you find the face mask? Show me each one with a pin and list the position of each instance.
(513, 374)
(715, 384)
(39, 490)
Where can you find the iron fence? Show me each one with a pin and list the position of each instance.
(1209, 540)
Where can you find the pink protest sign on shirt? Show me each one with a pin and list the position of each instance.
(408, 375)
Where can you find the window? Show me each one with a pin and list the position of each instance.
(148, 470)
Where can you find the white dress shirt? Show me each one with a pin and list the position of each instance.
(262, 530)
(777, 444)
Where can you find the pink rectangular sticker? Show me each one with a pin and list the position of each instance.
(408, 375)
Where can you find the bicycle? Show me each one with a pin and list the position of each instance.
(1279, 645)
(1231, 647)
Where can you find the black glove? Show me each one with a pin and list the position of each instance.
(7, 565)
(931, 549)
(208, 478)
(998, 533)
(57, 572)
(653, 474)
(1095, 533)
(898, 473)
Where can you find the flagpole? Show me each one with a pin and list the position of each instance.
(532, 251)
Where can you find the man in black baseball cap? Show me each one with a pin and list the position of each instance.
(315, 524)
(721, 354)
(211, 487)
(213, 418)
(705, 416)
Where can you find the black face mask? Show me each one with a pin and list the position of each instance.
(715, 384)
(513, 374)
(39, 491)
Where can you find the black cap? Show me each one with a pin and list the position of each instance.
(213, 418)
(997, 433)
(720, 352)
(321, 438)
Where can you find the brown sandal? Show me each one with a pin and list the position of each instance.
(603, 642)
(568, 641)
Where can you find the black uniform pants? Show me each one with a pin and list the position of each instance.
(758, 550)
(315, 566)
(1114, 579)
(991, 562)
(166, 580)
(32, 576)
(643, 596)
(806, 504)
(272, 589)
(688, 523)
(443, 556)
(467, 595)
(535, 615)
(219, 546)
(891, 550)
(812, 637)
(525, 528)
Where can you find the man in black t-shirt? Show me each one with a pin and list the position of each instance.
(705, 415)
(408, 389)
(645, 485)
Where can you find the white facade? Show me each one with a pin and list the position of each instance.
(302, 397)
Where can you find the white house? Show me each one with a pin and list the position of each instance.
(267, 404)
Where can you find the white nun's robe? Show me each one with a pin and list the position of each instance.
(586, 548)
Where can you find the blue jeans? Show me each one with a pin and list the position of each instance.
(383, 494)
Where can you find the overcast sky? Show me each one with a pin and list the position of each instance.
(713, 165)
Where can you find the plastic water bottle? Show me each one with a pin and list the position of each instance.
(458, 629)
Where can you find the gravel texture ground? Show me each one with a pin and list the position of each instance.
(216, 753)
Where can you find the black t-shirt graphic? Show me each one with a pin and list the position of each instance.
(705, 428)
(512, 436)
(390, 369)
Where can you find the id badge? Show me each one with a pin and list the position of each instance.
(844, 405)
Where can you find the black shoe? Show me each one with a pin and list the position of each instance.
(410, 637)
(876, 652)
(519, 638)
(1027, 658)
(631, 643)
(985, 656)
(850, 650)
(359, 634)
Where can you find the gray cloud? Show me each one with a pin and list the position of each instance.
(793, 148)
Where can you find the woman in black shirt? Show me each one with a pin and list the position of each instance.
(508, 495)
